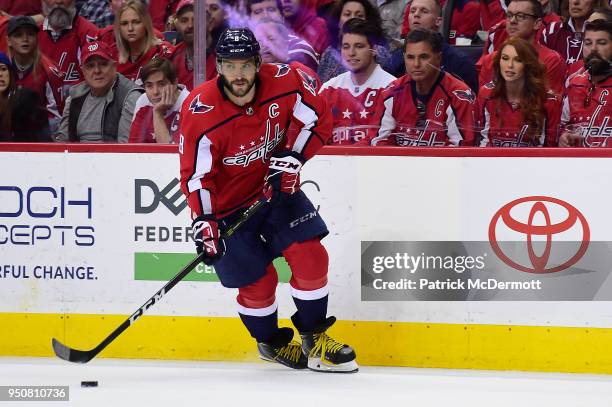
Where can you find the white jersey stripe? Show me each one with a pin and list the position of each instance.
(309, 118)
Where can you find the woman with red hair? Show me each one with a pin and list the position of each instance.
(517, 109)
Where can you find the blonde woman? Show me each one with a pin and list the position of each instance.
(136, 43)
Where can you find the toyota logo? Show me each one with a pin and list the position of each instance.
(540, 205)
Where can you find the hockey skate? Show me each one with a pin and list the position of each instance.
(281, 349)
(325, 354)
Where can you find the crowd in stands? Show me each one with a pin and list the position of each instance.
(502, 73)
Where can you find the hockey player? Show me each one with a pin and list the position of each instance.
(355, 95)
(426, 107)
(234, 145)
(587, 106)
(515, 109)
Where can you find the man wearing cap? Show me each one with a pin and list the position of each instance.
(63, 34)
(182, 56)
(101, 108)
(33, 69)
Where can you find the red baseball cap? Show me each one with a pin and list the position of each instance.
(182, 4)
(96, 48)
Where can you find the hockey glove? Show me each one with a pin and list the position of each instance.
(207, 238)
(283, 177)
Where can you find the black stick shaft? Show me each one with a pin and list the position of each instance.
(74, 355)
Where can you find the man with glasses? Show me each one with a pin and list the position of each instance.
(101, 108)
(587, 106)
(427, 107)
(244, 136)
(523, 20)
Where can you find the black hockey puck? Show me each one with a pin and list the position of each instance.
(90, 384)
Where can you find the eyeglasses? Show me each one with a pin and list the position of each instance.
(519, 16)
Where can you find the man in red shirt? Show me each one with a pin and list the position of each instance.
(182, 56)
(63, 35)
(587, 106)
(426, 107)
(235, 147)
(524, 19)
(305, 24)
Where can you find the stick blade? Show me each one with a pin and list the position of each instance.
(68, 354)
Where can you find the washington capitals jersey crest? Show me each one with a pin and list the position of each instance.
(503, 125)
(444, 117)
(587, 110)
(225, 148)
(354, 107)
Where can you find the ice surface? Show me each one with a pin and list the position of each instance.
(213, 384)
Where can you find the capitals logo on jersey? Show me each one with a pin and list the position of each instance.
(197, 107)
(354, 107)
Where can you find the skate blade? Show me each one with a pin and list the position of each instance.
(319, 365)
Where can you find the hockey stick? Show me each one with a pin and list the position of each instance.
(83, 356)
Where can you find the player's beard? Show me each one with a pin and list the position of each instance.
(227, 85)
(596, 64)
(59, 17)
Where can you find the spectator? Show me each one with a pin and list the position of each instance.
(523, 20)
(157, 110)
(426, 107)
(136, 43)
(101, 108)
(161, 11)
(107, 34)
(587, 106)
(100, 12)
(21, 118)
(218, 18)
(599, 13)
(330, 64)
(279, 46)
(3, 28)
(465, 21)
(392, 14)
(305, 24)
(427, 14)
(497, 34)
(258, 10)
(34, 70)
(566, 37)
(63, 34)
(20, 7)
(516, 110)
(354, 96)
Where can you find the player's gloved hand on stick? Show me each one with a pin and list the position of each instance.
(207, 238)
(283, 177)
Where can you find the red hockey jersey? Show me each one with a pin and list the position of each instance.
(555, 68)
(184, 66)
(498, 34)
(225, 149)
(142, 130)
(563, 38)
(502, 125)
(131, 69)
(444, 117)
(587, 109)
(65, 51)
(354, 107)
(48, 82)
